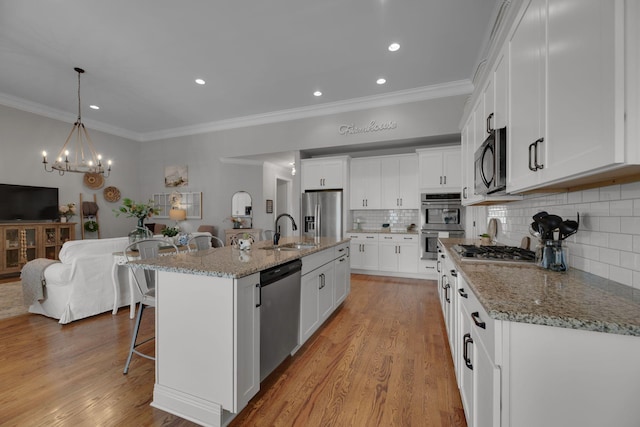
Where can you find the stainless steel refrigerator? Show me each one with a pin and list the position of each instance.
(322, 214)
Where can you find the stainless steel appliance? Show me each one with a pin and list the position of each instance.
(440, 213)
(491, 163)
(322, 214)
(279, 314)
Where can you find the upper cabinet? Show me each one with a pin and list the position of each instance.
(440, 170)
(566, 94)
(328, 173)
(389, 182)
(400, 182)
(562, 77)
(365, 183)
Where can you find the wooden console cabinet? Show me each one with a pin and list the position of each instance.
(23, 242)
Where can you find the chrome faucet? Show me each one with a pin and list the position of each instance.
(276, 235)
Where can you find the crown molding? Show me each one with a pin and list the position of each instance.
(460, 87)
(64, 116)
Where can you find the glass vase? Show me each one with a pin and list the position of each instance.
(140, 232)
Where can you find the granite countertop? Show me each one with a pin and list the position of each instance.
(530, 294)
(231, 262)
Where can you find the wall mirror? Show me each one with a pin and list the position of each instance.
(241, 208)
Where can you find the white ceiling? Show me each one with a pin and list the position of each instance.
(259, 58)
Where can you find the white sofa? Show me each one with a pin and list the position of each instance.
(81, 284)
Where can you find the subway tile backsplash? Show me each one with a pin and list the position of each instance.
(607, 243)
(396, 218)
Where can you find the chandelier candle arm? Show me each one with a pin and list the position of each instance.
(86, 158)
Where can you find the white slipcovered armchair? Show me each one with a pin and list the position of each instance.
(81, 284)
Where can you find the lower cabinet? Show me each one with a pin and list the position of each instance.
(326, 282)
(516, 374)
(386, 253)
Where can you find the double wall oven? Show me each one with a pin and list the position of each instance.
(439, 213)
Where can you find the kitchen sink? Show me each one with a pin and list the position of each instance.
(293, 246)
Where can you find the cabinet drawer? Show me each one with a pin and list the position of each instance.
(340, 250)
(313, 261)
(484, 330)
(363, 237)
(399, 238)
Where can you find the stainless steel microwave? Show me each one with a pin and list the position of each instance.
(491, 163)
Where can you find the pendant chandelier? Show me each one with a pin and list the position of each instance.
(84, 159)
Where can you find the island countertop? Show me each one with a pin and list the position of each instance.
(230, 262)
(530, 294)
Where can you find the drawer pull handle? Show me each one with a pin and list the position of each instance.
(466, 339)
(476, 319)
(454, 273)
(462, 293)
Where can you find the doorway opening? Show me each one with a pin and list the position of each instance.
(283, 204)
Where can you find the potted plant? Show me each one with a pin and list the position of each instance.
(485, 239)
(141, 211)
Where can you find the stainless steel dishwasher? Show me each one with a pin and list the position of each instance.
(279, 314)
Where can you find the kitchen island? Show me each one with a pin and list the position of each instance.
(534, 347)
(208, 323)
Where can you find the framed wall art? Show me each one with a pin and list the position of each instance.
(269, 206)
(176, 176)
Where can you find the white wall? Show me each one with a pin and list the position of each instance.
(607, 243)
(23, 137)
(218, 180)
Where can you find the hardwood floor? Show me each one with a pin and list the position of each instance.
(381, 360)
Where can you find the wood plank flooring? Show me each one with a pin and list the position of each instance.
(381, 360)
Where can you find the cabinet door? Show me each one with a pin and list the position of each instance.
(408, 182)
(500, 87)
(248, 339)
(388, 254)
(486, 388)
(370, 256)
(526, 95)
(466, 377)
(582, 102)
(342, 278)
(322, 174)
(430, 164)
(326, 288)
(452, 170)
(390, 183)
(408, 255)
(365, 184)
(309, 310)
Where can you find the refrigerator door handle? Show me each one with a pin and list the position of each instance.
(318, 223)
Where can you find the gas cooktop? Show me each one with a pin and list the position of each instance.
(495, 253)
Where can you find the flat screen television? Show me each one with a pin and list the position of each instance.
(27, 203)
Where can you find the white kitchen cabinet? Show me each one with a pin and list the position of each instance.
(398, 252)
(566, 117)
(324, 173)
(364, 251)
(326, 287)
(399, 183)
(325, 283)
(220, 369)
(365, 183)
(342, 268)
(440, 170)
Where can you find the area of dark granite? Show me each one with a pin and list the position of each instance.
(530, 294)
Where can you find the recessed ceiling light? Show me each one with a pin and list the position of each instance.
(200, 81)
(94, 107)
(317, 93)
(394, 46)
(381, 81)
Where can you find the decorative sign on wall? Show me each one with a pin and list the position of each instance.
(176, 176)
(371, 127)
(269, 206)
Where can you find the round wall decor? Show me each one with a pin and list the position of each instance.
(111, 194)
(93, 180)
